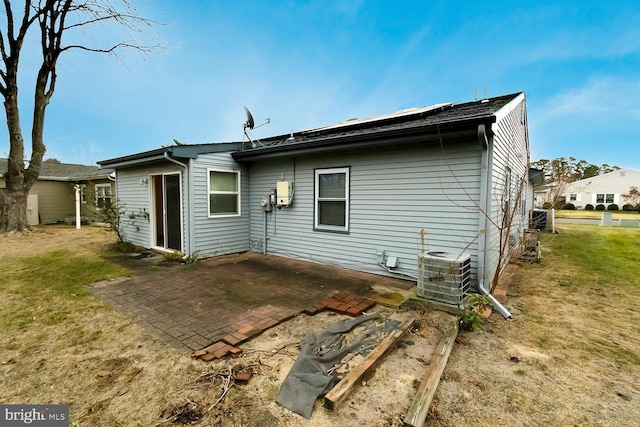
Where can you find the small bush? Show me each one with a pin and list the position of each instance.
(472, 319)
(600, 207)
(125, 247)
(638, 207)
(612, 207)
(547, 205)
(569, 207)
(174, 256)
(588, 207)
(628, 207)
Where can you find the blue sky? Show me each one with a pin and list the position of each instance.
(310, 63)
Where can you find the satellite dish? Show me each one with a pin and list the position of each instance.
(250, 122)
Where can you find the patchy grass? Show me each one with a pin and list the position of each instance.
(570, 356)
(59, 344)
(574, 333)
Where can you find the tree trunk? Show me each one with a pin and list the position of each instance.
(13, 211)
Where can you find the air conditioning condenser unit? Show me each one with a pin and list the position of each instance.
(444, 277)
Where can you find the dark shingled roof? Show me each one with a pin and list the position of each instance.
(448, 121)
(64, 171)
(436, 120)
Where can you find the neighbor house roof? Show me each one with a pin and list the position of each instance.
(55, 171)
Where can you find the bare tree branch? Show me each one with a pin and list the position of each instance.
(55, 19)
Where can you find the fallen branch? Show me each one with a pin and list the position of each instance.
(225, 388)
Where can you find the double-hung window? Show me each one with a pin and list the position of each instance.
(103, 195)
(83, 193)
(332, 199)
(224, 193)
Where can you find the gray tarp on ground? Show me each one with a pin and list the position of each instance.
(321, 351)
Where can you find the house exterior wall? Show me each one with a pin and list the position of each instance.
(208, 236)
(88, 208)
(509, 166)
(617, 183)
(56, 200)
(218, 236)
(394, 193)
(134, 194)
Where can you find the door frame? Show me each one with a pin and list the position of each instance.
(153, 220)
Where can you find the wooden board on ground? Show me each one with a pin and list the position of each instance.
(417, 413)
(341, 391)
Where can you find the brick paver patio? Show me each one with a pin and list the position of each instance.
(228, 299)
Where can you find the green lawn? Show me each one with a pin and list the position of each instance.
(571, 354)
(595, 214)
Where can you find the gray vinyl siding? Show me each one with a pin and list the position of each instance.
(135, 196)
(223, 235)
(394, 193)
(509, 150)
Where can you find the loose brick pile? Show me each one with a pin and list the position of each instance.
(344, 303)
(263, 318)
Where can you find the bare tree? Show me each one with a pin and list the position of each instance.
(50, 20)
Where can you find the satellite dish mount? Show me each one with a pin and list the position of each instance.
(250, 124)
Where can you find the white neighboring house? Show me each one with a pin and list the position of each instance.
(603, 189)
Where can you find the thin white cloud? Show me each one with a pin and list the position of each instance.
(613, 96)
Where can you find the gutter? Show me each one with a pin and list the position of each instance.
(188, 176)
(484, 222)
(373, 138)
(131, 162)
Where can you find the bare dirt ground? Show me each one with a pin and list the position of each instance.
(545, 367)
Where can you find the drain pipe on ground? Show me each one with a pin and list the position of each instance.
(485, 224)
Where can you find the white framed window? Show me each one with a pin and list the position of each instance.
(83, 193)
(573, 197)
(224, 193)
(103, 195)
(331, 203)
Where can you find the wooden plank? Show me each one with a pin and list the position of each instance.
(341, 391)
(417, 413)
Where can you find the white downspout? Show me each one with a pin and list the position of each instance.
(190, 211)
(78, 219)
(188, 170)
(485, 223)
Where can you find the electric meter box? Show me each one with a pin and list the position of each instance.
(284, 191)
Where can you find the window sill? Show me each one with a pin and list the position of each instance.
(224, 216)
(331, 230)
